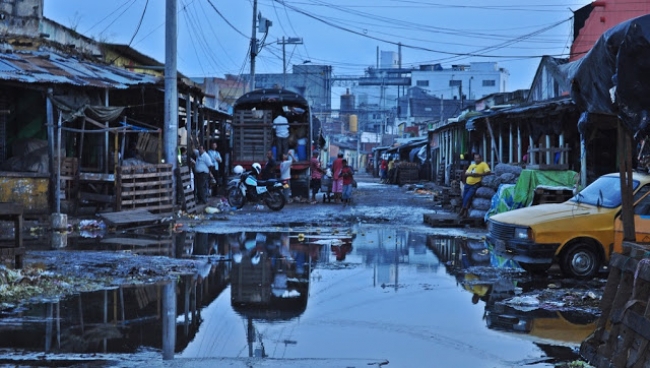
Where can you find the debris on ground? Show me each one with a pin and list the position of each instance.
(49, 275)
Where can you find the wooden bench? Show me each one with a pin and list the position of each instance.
(13, 212)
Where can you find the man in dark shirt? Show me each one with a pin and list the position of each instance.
(268, 172)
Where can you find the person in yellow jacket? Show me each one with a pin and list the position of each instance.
(473, 176)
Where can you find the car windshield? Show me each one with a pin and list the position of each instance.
(604, 192)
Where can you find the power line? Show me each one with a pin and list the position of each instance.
(108, 15)
(226, 20)
(144, 11)
(118, 17)
(407, 45)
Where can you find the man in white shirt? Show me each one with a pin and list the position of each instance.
(214, 169)
(281, 126)
(201, 174)
(285, 174)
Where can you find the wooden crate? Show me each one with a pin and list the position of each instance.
(253, 137)
(15, 252)
(145, 187)
(69, 177)
(186, 198)
(408, 175)
(623, 330)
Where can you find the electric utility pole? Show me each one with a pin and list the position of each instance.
(253, 45)
(170, 130)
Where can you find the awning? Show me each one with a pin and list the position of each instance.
(538, 110)
(48, 68)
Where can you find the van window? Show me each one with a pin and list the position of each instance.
(604, 192)
(641, 192)
(643, 206)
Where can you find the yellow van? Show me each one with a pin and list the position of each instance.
(641, 223)
(577, 234)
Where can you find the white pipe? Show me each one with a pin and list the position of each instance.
(563, 155)
(510, 154)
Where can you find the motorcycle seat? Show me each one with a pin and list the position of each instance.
(268, 182)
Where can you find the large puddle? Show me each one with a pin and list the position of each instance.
(348, 293)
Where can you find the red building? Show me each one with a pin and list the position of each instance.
(592, 20)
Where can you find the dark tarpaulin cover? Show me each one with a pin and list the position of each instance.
(614, 76)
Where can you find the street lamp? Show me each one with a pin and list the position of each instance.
(287, 41)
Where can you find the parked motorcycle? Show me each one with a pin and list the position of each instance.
(247, 188)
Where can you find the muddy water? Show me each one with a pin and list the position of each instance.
(343, 293)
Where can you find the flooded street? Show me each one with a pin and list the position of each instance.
(348, 296)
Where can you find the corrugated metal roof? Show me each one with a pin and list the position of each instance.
(51, 68)
(542, 108)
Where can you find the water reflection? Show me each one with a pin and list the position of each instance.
(250, 286)
(502, 287)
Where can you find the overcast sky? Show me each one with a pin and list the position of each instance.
(214, 35)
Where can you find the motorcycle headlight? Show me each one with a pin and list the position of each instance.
(523, 233)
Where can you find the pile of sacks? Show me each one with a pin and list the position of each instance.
(503, 174)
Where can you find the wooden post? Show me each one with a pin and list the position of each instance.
(510, 144)
(494, 144)
(500, 131)
(531, 153)
(118, 189)
(625, 170)
(519, 156)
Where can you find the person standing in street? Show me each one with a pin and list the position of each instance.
(214, 169)
(383, 170)
(316, 175)
(473, 176)
(201, 174)
(347, 175)
(337, 180)
(285, 174)
(281, 126)
(268, 172)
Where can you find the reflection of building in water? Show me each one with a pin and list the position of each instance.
(270, 279)
(388, 249)
(270, 274)
(458, 254)
(121, 320)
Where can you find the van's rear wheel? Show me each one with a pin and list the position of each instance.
(580, 260)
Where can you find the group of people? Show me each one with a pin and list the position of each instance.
(342, 179)
(342, 173)
(271, 166)
(206, 170)
(387, 171)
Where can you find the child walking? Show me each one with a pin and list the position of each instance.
(348, 176)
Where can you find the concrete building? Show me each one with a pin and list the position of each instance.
(466, 82)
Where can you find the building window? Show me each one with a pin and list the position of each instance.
(489, 83)
(423, 83)
(455, 83)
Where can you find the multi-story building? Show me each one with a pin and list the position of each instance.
(462, 82)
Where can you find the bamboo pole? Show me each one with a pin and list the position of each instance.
(625, 171)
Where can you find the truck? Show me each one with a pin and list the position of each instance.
(253, 135)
